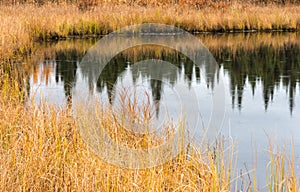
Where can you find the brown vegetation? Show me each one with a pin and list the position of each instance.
(40, 148)
(24, 23)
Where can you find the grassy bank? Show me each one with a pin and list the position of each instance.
(24, 23)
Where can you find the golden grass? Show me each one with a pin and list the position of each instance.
(41, 150)
(22, 24)
(281, 175)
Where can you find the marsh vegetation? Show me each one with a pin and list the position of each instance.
(40, 147)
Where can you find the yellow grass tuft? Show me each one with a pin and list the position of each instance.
(41, 150)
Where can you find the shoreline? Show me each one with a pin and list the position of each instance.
(55, 39)
(23, 24)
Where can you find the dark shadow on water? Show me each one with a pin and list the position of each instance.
(122, 61)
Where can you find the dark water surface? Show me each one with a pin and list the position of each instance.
(261, 74)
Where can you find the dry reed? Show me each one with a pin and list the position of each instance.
(40, 148)
(25, 23)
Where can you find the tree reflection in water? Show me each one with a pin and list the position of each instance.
(271, 60)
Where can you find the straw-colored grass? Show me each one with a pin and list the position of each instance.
(280, 172)
(40, 147)
(24, 23)
(41, 150)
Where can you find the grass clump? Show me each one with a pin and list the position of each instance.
(41, 150)
(281, 175)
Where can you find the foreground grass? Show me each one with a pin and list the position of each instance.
(41, 150)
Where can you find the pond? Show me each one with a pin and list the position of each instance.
(260, 75)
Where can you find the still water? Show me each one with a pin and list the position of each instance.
(260, 74)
